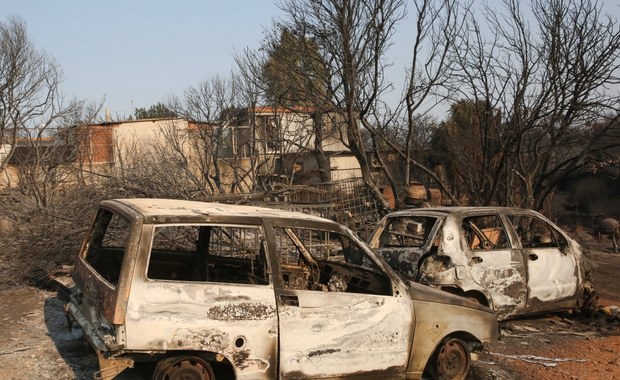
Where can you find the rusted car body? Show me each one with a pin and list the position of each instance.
(513, 260)
(212, 291)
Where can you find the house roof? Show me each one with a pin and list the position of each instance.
(272, 110)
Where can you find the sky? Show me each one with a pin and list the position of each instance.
(135, 53)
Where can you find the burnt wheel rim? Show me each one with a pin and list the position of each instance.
(186, 369)
(453, 360)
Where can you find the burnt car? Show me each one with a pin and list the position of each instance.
(214, 291)
(516, 261)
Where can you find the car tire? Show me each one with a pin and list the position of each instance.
(183, 368)
(451, 360)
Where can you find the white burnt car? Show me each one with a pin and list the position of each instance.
(213, 291)
(513, 260)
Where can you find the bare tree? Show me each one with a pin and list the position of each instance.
(290, 77)
(437, 26)
(549, 86)
(32, 111)
(438, 23)
(352, 38)
(208, 104)
(29, 94)
(227, 155)
(46, 156)
(35, 122)
(469, 150)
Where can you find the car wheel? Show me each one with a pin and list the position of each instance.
(183, 368)
(452, 360)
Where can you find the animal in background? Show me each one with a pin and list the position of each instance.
(611, 228)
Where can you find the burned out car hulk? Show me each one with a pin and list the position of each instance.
(213, 291)
(513, 260)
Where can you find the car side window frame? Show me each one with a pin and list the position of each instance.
(314, 271)
(542, 235)
(408, 231)
(105, 258)
(204, 260)
(483, 232)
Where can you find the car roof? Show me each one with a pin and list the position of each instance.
(459, 210)
(153, 209)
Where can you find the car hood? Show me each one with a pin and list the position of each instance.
(420, 292)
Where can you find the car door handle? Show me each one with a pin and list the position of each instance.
(289, 300)
(533, 256)
(477, 259)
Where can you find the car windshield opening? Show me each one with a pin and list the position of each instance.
(407, 232)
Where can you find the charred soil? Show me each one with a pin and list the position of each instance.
(36, 343)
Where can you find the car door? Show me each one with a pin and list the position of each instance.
(204, 287)
(494, 263)
(551, 271)
(339, 313)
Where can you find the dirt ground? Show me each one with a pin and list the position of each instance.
(36, 344)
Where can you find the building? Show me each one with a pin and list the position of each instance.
(252, 149)
(286, 138)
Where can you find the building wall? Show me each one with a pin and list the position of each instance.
(345, 167)
(101, 147)
(237, 177)
(5, 149)
(9, 177)
(144, 137)
(304, 168)
(295, 131)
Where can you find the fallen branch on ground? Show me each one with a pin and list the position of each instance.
(546, 362)
(8, 352)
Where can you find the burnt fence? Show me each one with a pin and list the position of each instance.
(349, 202)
